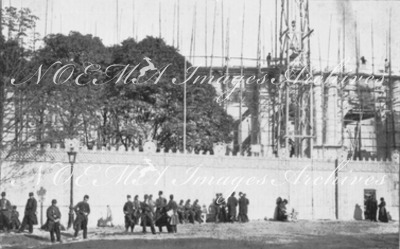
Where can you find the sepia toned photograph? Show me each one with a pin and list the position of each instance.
(193, 124)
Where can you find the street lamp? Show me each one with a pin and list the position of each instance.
(72, 145)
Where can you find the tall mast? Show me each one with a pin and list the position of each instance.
(240, 87)
(205, 34)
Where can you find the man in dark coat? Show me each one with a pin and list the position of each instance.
(82, 210)
(160, 203)
(373, 209)
(223, 216)
(5, 212)
(53, 221)
(136, 209)
(217, 206)
(30, 218)
(129, 214)
(244, 202)
(232, 204)
(147, 215)
(196, 208)
(240, 202)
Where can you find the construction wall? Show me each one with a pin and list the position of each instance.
(108, 176)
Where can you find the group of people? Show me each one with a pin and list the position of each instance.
(230, 210)
(371, 208)
(162, 213)
(281, 211)
(9, 217)
(151, 213)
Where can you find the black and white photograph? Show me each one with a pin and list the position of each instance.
(190, 124)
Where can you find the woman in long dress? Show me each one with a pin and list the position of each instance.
(382, 211)
(173, 213)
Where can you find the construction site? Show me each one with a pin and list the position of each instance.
(306, 111)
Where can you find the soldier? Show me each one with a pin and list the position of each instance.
(232, 204)
(5, 212)
(196, 208)
(30, 218)
(129, 214)
(53, 221)
(147, 215)
(82, 210)
(217, 206)
(189, 214)
(174, 215)
(245, 208)
(223, 215)
(240, 202)
(161, 202)
(136, 209)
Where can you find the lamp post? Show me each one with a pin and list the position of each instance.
(71, 144)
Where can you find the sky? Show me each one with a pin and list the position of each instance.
(141, 18)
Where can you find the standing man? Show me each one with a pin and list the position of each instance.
(161, 202)
(30, 217)
(174, 219)
(374, 209)
(82, 210)
(232, 204)
(245, 208)
(147, 215)
(269, 59)
(217, 207)
(53, 221)
(5, 212)
(136, 209)
(129, 214)
(240, 201)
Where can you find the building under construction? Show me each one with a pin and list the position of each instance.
(301, 112)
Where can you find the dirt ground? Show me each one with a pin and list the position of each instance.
(256, 234)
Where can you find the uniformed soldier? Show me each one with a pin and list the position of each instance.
(136, 208)
(217, 206)
(161, 202)
(232, 204)
(30, 217)
(53, 221)
(82, 210)
(129, 214)
(189, 214)
(5, 212)
(147, 215)
(196, 208)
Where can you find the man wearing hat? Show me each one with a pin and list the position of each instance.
(129, 214)
(161, 202)
(82, 210)
(241, 207)
(147, 217)
(232, 204)
(30, 217)
(5, 212)
(53, 221)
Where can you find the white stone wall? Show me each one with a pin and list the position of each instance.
(107, 177)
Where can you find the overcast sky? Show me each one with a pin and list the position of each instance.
(139, 18)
